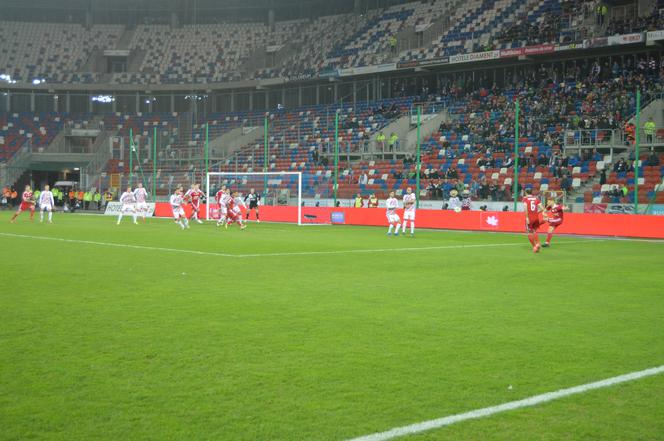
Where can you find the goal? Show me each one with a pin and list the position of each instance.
(280, 196)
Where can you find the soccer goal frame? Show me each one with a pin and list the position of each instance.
(267, 175)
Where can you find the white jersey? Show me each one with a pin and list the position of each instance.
(454, 203)
(127, 198)
(140, 194)
(391, 204)
(409, 199)
(176, 201)
(46, 199)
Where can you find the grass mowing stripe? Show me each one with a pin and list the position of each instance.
(293, 253)
(512, 405)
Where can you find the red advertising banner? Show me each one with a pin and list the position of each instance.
(528, 50)
(596, 224)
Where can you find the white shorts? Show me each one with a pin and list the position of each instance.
(128, 208)
(393, 218)
(409, 215)
(223, 211)
(141, 206)
(178, 212)
(46, 207)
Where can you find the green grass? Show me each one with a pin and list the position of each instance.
(106, 343)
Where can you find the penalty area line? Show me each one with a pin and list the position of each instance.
(535, 400)
(284, 254)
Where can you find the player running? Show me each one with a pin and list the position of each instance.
(409, 203)
(46, 203)
(533, 209)
(177, 201)
(234, 212)
(194, 196)
(222, 197)
(27, 203)
(141, 196)
(554, 217)
(254, 199)
(392, 217)
(128, 201)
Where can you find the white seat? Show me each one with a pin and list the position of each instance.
(576, 170)
(544, 187)
(576, 182)
(461, 161)
(600, 165)
(503, 171)
(537, 176)
(597, 200)
(494, 176)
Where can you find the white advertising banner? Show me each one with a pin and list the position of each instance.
(113, 209)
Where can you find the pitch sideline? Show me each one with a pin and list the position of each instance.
(284, 254)
(438, 423)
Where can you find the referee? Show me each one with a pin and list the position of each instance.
(253, 199)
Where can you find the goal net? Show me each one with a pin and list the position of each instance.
(280, 196)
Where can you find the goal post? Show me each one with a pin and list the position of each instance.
(276, 189)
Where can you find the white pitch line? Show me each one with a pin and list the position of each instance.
(294, 253)
(512, 405)
(119, 245)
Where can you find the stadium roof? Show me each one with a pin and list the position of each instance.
(189, 11)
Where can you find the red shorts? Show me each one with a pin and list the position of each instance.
(26, 206)
(532, 225)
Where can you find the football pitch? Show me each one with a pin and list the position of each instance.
(279, 332)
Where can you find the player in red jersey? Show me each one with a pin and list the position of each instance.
(234, 212)
(27, 203)
(194, 196)
(553, 215)
(533, 208)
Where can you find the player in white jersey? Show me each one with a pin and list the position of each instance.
(223, 198)
(391, 204)
(177, 201)
(409, 204)
(46, 203)
(128, 205)
(194, 196)
(141, 196)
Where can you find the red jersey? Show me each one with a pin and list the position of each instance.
(555, 215)
(27, 196)
(532, 207)
(194, 196)
(217, 197)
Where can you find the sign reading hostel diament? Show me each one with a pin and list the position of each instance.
(474, 56)
(113, 209)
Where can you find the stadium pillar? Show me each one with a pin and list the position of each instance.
(265, 153)
(637, 142)
(207, 150)
(154, 165)
(419, 161)
(131, 156)
(515, 183)
(336, 156)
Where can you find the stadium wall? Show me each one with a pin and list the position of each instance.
(621, 225)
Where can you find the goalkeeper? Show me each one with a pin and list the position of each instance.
(252, 200)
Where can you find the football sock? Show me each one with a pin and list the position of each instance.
(412, 227)
(50, 216)
(548, 237)
(120, 218)
(389, 230)
(403, 227)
